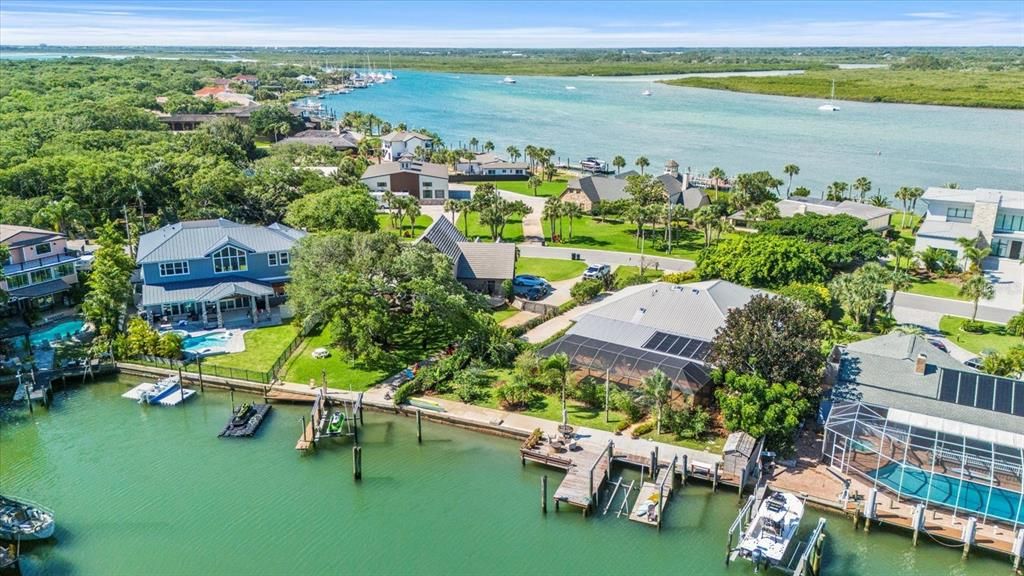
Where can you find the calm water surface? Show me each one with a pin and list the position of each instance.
(892, 144)
(153, 491)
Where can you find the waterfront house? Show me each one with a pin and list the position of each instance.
(480, 266)
(215, 271)
(424, 181)
(996, 217)
(905, 419)
(490, 165)
(39, 270)
(249, 79)
(307, 80)
(224, 94)
(875, 218)
(661, 326)
(184, 122)
(588, 191)
(396, 144)
(340, 140)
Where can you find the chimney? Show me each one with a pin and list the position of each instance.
(686, 180)
(921, 364)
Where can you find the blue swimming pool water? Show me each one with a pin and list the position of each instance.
(947, 491)
(58, 331)
(196, 344)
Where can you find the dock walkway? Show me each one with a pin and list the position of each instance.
(651, 501)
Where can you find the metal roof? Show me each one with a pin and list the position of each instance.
(389, 168)
(624, 362)
(180, 292)
(740, 442)
(444, 236)
(42, 289)
(194, 239)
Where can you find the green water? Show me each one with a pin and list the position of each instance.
(152, 490)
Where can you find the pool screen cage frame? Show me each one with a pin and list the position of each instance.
(861, 438)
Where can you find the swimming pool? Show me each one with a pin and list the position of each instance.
(947, 491)
(59, 331)
(205, 344)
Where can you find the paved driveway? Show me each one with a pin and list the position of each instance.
(1007, 276)
(533, 231)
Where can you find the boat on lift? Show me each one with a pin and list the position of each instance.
(592, 164)
(24, 520)
(162, 389)
(772, 529)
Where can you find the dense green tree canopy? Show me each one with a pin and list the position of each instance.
(108, 281)
(840, 241)
(760, 407)
(762, 260)
(337, 208)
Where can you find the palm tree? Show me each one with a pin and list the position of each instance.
(550, 171)
(975, 288)
(643, 163)
(534, 182)
(705, 217)
(465, 207)
(790, 170)
(862, 185)
(910, 329)
(573, 211)
(451, 206)
(552, 212)
(879, 201)
(619, 163)
(904, 195)
(802, 192)
(901, 251)
(966, 243)
(513, 153)
(488, 146)
(531, 154)
(915, 194)
(413, 211)
(834, 331)
(837, 191)
(473, 143)
(973, 257)
(717, 176)
(60, 215)
(899, 280)
(280, 129)
(656, 388)
(389, 198)
(558, 365)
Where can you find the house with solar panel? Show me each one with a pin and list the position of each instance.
(480, 266)
(659, 326)
(907, 423)
(216, 272)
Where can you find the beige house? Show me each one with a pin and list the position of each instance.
(39, 269)
(876, 218)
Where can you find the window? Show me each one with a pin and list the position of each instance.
(428, 184)
(1009, 223)
(229, 259)
(43, 248)
(42, 275)
(17, 281)
(65, 269)
(173, 268)
(382, 184)
(965, 213)
(277, 259)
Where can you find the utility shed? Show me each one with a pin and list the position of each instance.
(740, 453)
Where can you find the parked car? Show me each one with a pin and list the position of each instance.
(531, 292)
(597, 272)
(974, 363)
(938, 344)
(528, 280)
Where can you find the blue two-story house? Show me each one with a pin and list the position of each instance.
(215, 271)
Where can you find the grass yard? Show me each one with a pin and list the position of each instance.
(503, 313)
(549, 407)
(513, 229)
(384, 220)
(994, 337)
(906, 233)
(553, 188)
(589, 232)
(262, 348)
(341, 372)
(713, 444)
(935, 287)
(551, 269)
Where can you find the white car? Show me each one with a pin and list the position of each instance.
(597, 271)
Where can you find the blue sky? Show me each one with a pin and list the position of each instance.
(486, 24)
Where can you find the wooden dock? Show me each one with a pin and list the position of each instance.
(586, 469)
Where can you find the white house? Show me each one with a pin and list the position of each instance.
(875, 217)
(997, 216)
(307, 80)
(422, 180)
(490, 164)
(397, 143)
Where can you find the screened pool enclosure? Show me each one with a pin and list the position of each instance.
(969, 469)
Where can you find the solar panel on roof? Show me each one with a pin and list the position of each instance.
(678, 346)
(1018, 399)
(948, 385)
(983, 391)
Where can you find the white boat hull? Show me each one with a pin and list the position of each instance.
(772, 529)
(40, 534)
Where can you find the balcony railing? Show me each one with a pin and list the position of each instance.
(43, 262)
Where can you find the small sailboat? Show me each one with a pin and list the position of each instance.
(162, 389)
(23, 520)
(508, 80)
(772, 529)
(830, 107)
(647, 92)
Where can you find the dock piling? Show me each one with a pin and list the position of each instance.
(231, 391)
(1018, 549)
(181, 385)
(917, 521)
(419, 426)
(714, 480)
(544, 494)
(970, 529)
(869, 508)
(686, 468)
(357, 462)
(654, 463)
(304, 428)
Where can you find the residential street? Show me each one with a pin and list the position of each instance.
(953, 307)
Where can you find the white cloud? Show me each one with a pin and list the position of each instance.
(932, 15)
(128, 27)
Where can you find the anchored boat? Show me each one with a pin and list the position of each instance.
(772, 529)
(23, 520)
(162, 389)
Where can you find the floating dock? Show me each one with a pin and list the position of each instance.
(247, 429)
(173, 400)
(650, 504)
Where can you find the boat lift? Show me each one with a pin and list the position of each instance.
(322, 414)
(805, 560)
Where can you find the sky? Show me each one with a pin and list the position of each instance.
(523, 24)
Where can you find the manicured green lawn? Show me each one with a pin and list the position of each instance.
(341, 372)
(938, 287)
(384, 220)
(589, 232)
(502, 314)
(906, 233)
(262, 348)
(551, 269)
(994, 337)
(713, 444)
(513, 229)
(549, 407)
(553, 188)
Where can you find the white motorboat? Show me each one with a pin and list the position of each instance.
(646, 93)
(592, 164)
(162, 389)
(570, 87)
(23, 520)
(830, 107)
(508, 80)
(767, 538)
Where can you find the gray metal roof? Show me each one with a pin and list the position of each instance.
(330, 138)
(397, 136)
(947, 229)
(42, 289)
(197, 238)
(153, 295)
(389, 168)
(740, 442)
(444, 236)
(862, 210)
(880, 371)
(486, 261)
(8, 231)
(696, 310)
(600, 188)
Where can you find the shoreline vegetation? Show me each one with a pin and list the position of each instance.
(967, 88)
